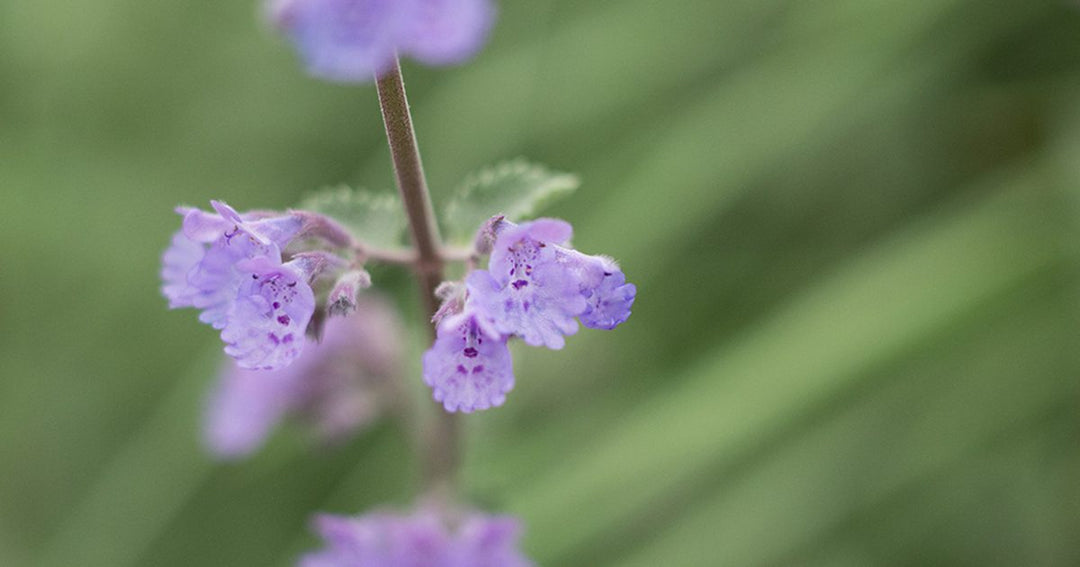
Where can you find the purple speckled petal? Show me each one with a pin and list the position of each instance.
(537, 298)
(344, 40)
(266, 323)
(466, 370)
(218, 280)
(199, 268)
(444, 32)
(517, 243)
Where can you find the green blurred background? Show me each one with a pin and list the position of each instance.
(852, 223)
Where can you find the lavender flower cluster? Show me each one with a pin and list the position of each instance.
(259, 277)
(534, 288)
(230, 267)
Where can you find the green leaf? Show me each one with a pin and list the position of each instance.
(376, 219)
(517, 189)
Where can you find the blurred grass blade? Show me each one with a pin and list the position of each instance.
(885, 302)
(926, 424)
(143, 486)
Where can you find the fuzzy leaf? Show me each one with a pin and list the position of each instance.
(517, 189)
(376, 219)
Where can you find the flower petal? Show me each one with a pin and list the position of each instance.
(444, 32)
(467, 370)
(266, 324)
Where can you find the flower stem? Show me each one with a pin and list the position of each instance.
(440, 444)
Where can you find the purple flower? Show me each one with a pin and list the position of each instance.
(229, 266)
(420, 540)
(357, 40)
(603, 285)
(527, 291)
(266, 322)
(336, 385)
(468, 367)
(198, 268)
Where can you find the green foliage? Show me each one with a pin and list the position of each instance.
(853, 227)
(517, 189)
(376, 219)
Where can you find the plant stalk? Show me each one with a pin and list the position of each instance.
(441, 441)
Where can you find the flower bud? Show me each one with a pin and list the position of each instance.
(342, 298)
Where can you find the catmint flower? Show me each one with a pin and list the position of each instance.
(534, 288)
(357, 40)
(469, 367)
(199, 267)
(526, 291)
(419, 540)
(229, 266)
(337, 385)
(268, 319)
(603, 285)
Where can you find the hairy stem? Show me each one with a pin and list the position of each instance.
(441, 441)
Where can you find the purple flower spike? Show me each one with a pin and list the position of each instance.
(528, 292)
(266, 323)
(467, 368)
(357, 40)
(420, 540)
(337, 385)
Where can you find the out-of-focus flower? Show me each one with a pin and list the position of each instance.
(357, 40)
(337, 385)
(419, 540)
